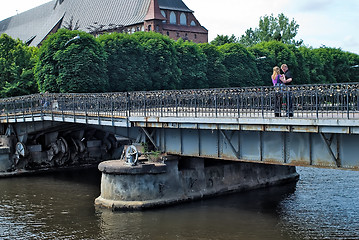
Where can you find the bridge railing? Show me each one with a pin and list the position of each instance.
(309, 101)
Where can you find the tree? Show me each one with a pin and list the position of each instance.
(272, 28)
(193, 63)
(127, 65)
(223, 39)
(67, 64)
(274, 53)
(241, 66)
(314, 65)
(16, 63)
(338, 65)
(160, 53)
(216, 72)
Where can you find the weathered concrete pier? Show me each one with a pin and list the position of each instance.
(177, 179)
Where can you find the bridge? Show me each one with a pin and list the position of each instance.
(236, 124)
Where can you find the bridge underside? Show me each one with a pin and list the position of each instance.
(299, 149)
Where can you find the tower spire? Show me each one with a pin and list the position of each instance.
(154, 12)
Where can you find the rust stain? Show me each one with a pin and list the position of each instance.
(252, 127)
(271, 128)
(309, 129)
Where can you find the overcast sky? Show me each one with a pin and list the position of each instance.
(333, 23)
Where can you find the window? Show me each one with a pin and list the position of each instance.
(183, 19)
(193, 23)
(164, 15)
(173, 18)
(149, 28)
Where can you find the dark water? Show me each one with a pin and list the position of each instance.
(324, 204)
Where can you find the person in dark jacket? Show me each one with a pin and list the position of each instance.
(287, 80)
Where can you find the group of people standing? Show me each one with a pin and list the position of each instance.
(282, 79)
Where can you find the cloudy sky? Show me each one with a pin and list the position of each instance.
(332, 23)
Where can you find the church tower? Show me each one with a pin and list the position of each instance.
(153, 19)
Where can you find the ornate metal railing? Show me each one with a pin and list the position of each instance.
(308, 101)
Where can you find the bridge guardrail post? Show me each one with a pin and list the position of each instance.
(98, 110)
(195, 104)
(162, 102)
(144, 105)
(128, 112)
(23, 110)
(112, 111)
(238, 107)
(347, 90)
(176, 105)
(14, 111)
(316, 103)
(7, 112)
(86, 110)
(215, 104)
(73, 107)
(262, 102)
(31, 110)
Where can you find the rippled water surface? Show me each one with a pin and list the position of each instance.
(324, 204)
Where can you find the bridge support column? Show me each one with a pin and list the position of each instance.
(6, 149)
(181, 179)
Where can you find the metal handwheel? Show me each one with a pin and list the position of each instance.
(131, 155)
(20, 149)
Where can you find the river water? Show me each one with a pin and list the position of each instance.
(324, 204)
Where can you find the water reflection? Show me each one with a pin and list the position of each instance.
(322, 205)
(237, 216)
(47, 206)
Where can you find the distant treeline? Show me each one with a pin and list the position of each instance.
(150, 61)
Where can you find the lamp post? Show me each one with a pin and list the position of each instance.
(73, 39)
(259, 58)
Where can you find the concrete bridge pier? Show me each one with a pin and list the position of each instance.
(179, 179)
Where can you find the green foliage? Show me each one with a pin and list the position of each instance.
(161, 57)
(300, 66)
(16, 64)
(314, 66)
(151, 61)
(193, 63)
(272, 28)
(127, 65)
(223, 39)
(67, 65)
(276, 54)
(250, 38)
(216, 72)
(337, 65)
(241, 66)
